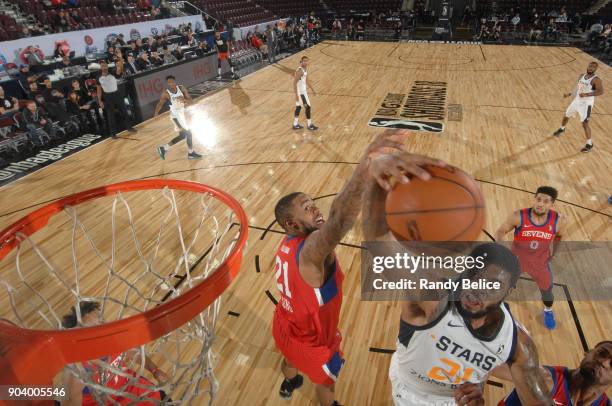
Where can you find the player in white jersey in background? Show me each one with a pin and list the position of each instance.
(178, 97)
(589, 85)
(300, 85)
(449, 342)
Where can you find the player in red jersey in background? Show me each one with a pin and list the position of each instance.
(129, 381)
(535, 229)
(309, 278)
(583, 386)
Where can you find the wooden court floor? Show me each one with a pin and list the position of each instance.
(511, 102)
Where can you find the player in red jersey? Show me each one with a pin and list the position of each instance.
(585, 385)
(309, 278)
(81, 395)
(535, 229)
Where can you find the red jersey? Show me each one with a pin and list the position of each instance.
(150, 396)
(310, 315)
(532, 241)
(559, 393)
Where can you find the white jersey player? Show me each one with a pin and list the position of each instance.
(178, 97)
(450, 341)
(300, 86)
(589, 85)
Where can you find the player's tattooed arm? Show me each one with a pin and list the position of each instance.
(163, 99)
(513, 221)
(526, 373)
(346, 206)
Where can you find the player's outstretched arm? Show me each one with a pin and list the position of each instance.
(513, 221)
(526, 373)
(162, 100)
(346, 206)
(296, 78)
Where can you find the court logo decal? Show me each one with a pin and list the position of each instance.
(422, 109)
(46, 157)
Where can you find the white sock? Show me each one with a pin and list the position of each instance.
(309, 122)
(547, 309)
(589, 142)
(166, 147)
(219, 71)
(295, 121)
(232, 68)
(562, 127)
(190, 150)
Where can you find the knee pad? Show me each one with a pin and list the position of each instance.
(307, 107)
(298, 108)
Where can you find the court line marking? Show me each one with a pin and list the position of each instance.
(322, 51)
(289, 162)
(482, 52)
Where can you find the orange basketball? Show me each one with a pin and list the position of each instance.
(448, 207)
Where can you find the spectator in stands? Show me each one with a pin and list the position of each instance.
(203, 48)
(37, 120)
(143, 62)
(596, 30)
(272, 42)
(191, 41)
(66, 62)
(336, 27)
(8, 105)
(515, 21)
(551, 31)
(496, 31)
(75, 87)
(168, 56)
(25, 32)
(120, 40)
(156, 60)
(156, 13)
(177, 52)
(77, 108)
(139, 47)
(37, 30)
(289, 36)
(484, 32)
(131, 68)
(119, 64)
(562, 16)
(76, 22)
(33, 90)
(57, 113)
(61, 21)
(133, 47)
(536, 30)
(360, 31)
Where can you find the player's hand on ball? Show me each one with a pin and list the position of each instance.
(400, 165)
(469, 394)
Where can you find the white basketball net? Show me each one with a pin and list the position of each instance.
(144, 255)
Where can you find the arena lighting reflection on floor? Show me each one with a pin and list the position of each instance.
(202, 127)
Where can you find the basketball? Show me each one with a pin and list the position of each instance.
(448, 207)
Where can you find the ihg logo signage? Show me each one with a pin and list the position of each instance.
(423, 109)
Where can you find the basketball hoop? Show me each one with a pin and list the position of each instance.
(158, 293)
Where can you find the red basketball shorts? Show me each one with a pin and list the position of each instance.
(321, 364)
(540, 273)
(223, 56)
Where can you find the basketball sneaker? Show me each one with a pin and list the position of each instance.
(297, 127)
(235, 76)
(161, 150)
(549, 319)
(313, 127)
(194, 155)
(289, 385)
(587, 148)
(559, 132)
